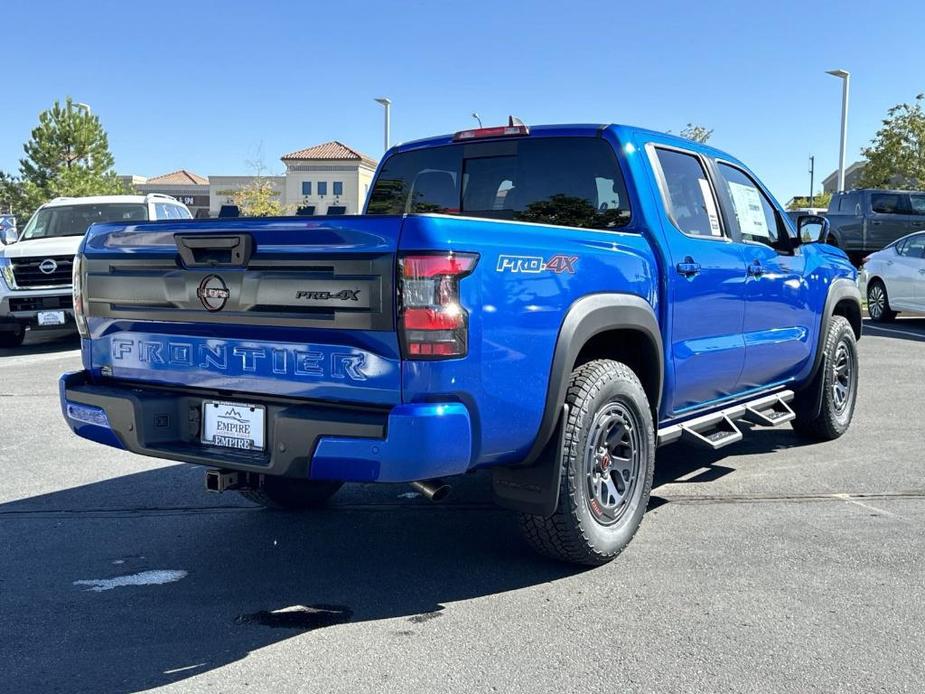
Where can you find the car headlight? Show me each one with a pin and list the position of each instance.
(6, 272)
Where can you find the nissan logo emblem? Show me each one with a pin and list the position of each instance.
(48, 266)
(213, 293)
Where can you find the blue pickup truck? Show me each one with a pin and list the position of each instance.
(548, 303)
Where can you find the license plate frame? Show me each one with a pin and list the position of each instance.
(234, 425)
(50, 318)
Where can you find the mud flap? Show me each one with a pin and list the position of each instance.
(533, 489)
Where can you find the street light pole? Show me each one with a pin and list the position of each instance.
(387, 103)
(478, 118)
(812, 171)
(845, 76)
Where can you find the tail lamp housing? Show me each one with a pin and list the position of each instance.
(78, 282)
(433, 324)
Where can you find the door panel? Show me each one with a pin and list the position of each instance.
(706, 284)
(779, 322)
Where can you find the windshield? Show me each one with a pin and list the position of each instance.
(73, 220)
(566, 181)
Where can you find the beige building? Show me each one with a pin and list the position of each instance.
(330, 178)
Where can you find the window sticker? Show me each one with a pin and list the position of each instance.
(747, 203)
(710, 206)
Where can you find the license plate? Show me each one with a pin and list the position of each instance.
(233, 425)
(51, 317)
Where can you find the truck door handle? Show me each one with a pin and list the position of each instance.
(876, 223)
(688, 268)
(755, 269)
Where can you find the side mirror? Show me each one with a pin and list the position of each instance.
(8, 233)
(811, 228)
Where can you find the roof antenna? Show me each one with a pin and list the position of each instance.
(514, 122)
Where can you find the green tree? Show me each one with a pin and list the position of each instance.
(896, 155)
(258, 198)
(820, 200)
(67, 154)
(697, 133)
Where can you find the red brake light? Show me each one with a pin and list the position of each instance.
(497, 131)
(433, 324)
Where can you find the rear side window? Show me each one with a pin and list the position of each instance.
(689, 197)
(562, 181)
(887, 203)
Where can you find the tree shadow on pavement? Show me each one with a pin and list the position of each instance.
(44, 342)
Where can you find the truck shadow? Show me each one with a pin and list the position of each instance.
(374, 556)
(249, 578)
(912, 329)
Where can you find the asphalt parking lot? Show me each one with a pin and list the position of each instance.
(772, 565)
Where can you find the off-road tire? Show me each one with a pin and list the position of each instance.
(833, 418)
(10, 338)
(573, 533)
(286, 494)
(878, 308)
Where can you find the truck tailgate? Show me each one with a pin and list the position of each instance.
(299, 307)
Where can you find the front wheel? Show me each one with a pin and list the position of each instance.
(282, 493)
(607, 453)
(838, 381)
(878, 303)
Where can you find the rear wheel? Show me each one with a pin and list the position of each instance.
(12, 338)
(283, 493)
(607, 452)
(838, 381)
(878, 303)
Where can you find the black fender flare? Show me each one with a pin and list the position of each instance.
(841, 289)
(533, 486)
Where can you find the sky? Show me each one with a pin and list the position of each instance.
(215, 86)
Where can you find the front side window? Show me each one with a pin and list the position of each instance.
(913, 247)
(755, 215)
(917, 203)
(562, 181)
(73, 220)
(689, 196)
(306, 187)
(338, 188)
(322, 187)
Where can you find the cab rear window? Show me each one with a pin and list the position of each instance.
(563, 181)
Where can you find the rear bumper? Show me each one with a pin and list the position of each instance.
(409, 442)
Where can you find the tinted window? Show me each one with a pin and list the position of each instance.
(755, 215)
(917, 203)
(562, 181)
(690, 197)
(338, 188)
(73, 220)
(306, 187)
(887, 203)
(322, 187)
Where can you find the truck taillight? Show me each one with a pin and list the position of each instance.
(80, 306)
(433, 323)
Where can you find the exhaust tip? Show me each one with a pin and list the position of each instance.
(434, 490)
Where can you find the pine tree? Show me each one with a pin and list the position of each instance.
(67, 154)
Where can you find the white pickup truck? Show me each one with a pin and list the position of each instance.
(35, 266)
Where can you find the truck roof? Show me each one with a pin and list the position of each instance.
(626, 133)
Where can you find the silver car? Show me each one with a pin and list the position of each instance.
(895, 278)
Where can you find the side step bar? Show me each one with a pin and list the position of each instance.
(718, 429)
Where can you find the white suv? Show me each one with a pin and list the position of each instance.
(35, 271)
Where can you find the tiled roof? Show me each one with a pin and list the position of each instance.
(333, 150)
(178, 178)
